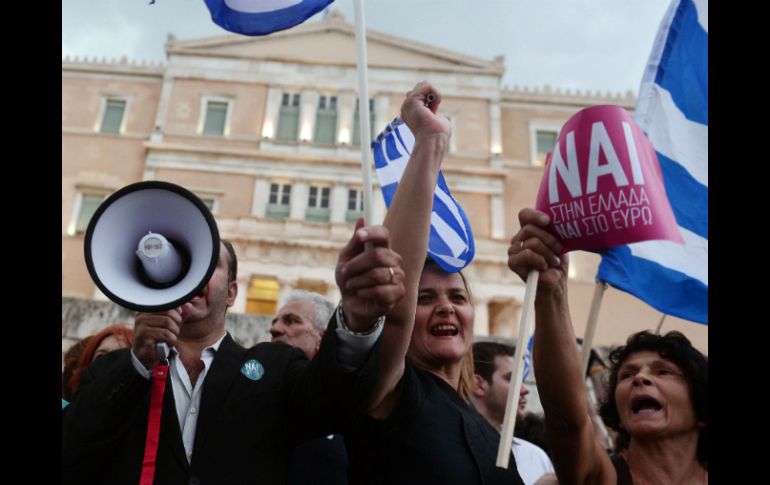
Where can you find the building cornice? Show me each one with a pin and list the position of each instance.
(249, 153)
(113, 66)
(335, 22)
(558, 97)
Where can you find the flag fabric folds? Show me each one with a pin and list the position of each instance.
(262, 17)
(451, 239)
(672, 110)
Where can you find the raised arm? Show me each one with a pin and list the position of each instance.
(577, 454)
(408, 221)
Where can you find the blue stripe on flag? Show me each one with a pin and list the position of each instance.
(245, 18)
(446, 215)
(685, 75)
(679, 62)
(388, 191)
(667, 290)
(450, 242)
(379, 156)
(685, 194)
(436, 244)
(391, 150)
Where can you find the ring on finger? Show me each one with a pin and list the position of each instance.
(392, 274)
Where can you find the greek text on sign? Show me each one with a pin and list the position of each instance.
(602, 185)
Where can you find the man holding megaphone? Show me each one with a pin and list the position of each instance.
(230, 415)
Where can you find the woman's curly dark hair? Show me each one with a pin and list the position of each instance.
(673, 346)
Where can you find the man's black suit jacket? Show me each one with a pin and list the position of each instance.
(246, 429)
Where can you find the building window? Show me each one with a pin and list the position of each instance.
(216, 118)
(112, 117)
(211, 203)
(314, 286)
(262, 297)
(326, 121)
(318, 204)
(355, 206)
(357, 124)
(544, 143)
(85, 208)
(278, 203)
(288, 118)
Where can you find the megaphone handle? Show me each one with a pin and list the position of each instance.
(161, 351)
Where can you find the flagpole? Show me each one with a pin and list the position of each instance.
(363, 111)
(525, 330)
(593, 318)
(585, 355)
(660, 324)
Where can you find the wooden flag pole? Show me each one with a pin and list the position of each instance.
(363, 112)
(593, 317)
(660, 324)
(525, 330)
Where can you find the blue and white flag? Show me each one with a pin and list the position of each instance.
(451, 239)
(262, 17)
(673, 112)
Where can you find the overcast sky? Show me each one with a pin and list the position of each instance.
(576, 44)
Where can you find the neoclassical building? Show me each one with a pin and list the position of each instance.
(265, 131)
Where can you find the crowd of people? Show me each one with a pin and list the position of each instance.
(387, 386)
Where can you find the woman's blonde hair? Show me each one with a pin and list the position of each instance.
(466, 376)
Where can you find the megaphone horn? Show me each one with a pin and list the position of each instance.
(151, 246)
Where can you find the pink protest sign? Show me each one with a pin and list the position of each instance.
(602, 184)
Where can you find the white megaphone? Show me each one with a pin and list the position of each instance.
(152, 246)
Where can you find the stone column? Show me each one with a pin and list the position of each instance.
(272, 112)
(481, 320)
(160, 115)
(243, 294)
(287, 285)
(339, 204)
(299, 195)
(346, 103)
(381, 112)
(495, 139)
(498, 216)
(379, 203)
(307, 114)
(260, 197)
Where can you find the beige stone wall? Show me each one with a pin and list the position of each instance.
(515, 128)
(521, 186)
(186, 109)
(473, 116)
(81, 101)
(476, 207)
(75, 280)
(236, 190)
(99, 158)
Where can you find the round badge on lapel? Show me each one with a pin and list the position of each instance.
(253, 369)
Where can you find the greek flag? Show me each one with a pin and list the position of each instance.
(451, 239)
(262, 17)
(673, 111)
